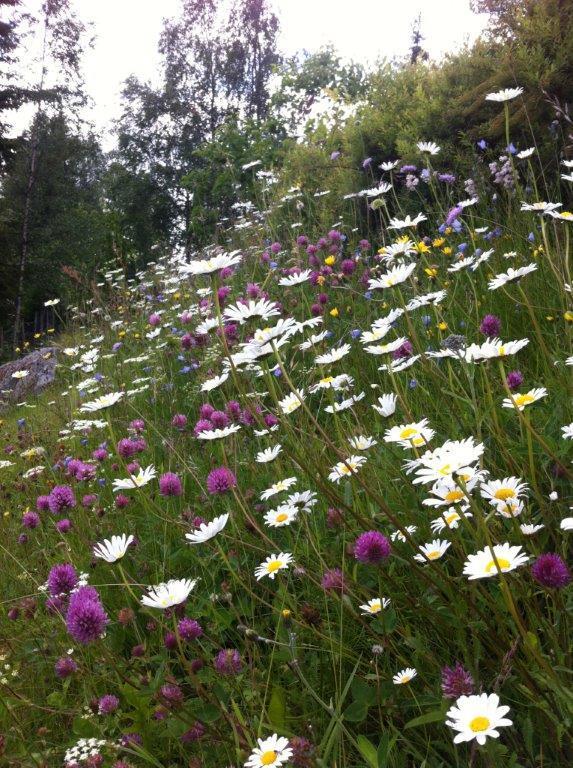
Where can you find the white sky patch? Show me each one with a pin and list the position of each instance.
(127, 32)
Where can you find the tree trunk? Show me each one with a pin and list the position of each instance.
(25, 235)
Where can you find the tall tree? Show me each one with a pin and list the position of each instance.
(61, 49)
(216, 63)
(67, 225)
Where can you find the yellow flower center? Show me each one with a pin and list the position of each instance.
(274, 566)
(503, 494)
(418, 440)
(445, 470)
(268, 758)
(501, 351)
(479, 724)
(451, 517)
(405, 434)
(327, 380)
(523, 399)
(454, 496)
(405, 678)
(434, 554)
(375, 607)
(282, 517)
(503, 564)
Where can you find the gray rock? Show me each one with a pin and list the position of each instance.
(41, 367)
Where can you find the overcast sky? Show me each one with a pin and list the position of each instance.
(127, 32)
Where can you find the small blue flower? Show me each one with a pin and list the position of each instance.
(426, 320)
(482, 144)
(531, 237)
(368, 295)
(355, 333)
(277, 373)
(412, 383)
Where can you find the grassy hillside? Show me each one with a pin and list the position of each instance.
(347, 461)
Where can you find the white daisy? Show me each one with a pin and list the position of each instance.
(333, 356)
(104, 401)
(506, 94)
(304, 501)
(510, 276)
(272, 564)
(207, 531)
(345, 468)
(525, 153)
(240, 313)
(374, 606)
(113, 550)
(432, 551)
(218, 434)
(362, 443)
(409, 435)
(520, 401)
(143, 477)
(279, 487)
(214, 264)
(407, 222)
(313, 340)
(399, 536)
(450, 518)
(430, 147)
(394, 276)
(528, 529)
(296, 279)
(477, 717)
(269, 454)
(213, 383)
(281, 516)
(344, 404)
(285, 327)
(386, 404)
(483, 564)
(540, 207)
(270, 753)
(405, 676)
(510, 488)
(291, 402)
(173, 592)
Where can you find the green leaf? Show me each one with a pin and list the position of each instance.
(390, 620)
(430, 717)
(83, 728)
(383, 751)
(368, 751)
(208, 713)
(363, 692)
(277, 708)
(356, 712)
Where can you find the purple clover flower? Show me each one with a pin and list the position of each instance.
(551, 571)
(372, 547)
